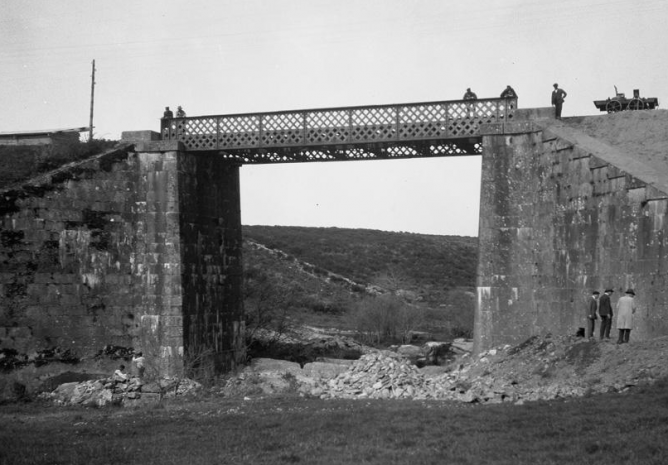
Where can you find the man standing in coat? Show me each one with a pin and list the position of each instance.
(558, 96)
(626, 307)
(591, 315)
(605, 312)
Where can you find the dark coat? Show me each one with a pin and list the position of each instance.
(604, 306)
(593, 307)
(558, 96)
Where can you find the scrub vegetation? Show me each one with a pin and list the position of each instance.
(383, 285)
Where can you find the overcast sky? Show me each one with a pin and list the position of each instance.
(239, 56)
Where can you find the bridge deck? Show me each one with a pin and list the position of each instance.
(432, 129)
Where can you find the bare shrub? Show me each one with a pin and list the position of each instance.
(199, 365)
(268, 301)
(386, 319)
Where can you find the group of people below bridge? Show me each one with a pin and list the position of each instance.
(602, 307)
(558, 97)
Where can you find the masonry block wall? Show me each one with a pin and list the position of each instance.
(135, 248)
(66, 258)
(556, 223)
(210, 228)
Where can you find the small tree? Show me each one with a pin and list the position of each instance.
(409, 319)
(393, 279)
(267, 300)
(386, 319)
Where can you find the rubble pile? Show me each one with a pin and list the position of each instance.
(379, 375)
(541, 368)
(388, 375)
(133, 392)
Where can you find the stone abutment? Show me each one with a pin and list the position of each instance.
(138, 247)
(562, 215)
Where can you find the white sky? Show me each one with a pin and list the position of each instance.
(238, 56)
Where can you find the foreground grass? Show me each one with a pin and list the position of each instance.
(607, 429)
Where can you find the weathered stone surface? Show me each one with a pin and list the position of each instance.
(152, 388)
(563, 214)
(325, 369)
(409, 351)
(268, 365)
(96, 253)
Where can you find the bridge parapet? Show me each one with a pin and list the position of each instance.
(404, 130)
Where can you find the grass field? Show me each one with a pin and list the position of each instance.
(628, 428)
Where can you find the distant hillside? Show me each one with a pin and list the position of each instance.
(428, 264)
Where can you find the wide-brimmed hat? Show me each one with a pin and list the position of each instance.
(596, 293)
(609, 290)
(630, 291)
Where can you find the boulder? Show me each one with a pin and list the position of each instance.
(462, 345)
(325, 369)
(153, 388)
(270, 365)
(64, 392)
(411, 352)
(436, 353)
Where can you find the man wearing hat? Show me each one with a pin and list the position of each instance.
(470, 95)
(558, 96)
(626, 307)
(605, 312)
(591, 314)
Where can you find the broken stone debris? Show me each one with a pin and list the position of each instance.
(541, 368)
(101, 392)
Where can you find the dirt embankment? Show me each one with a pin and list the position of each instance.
(641, 134)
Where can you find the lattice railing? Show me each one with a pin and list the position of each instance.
(431, 121)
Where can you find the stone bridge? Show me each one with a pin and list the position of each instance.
(141, 246)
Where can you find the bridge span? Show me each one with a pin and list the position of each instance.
(429, 129)
(142, 246)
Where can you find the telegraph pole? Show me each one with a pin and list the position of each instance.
(92, 100)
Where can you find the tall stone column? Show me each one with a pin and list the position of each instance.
(187, 265)
(505, 292)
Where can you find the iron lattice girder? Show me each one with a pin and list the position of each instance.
(378, 151)
(353, 133)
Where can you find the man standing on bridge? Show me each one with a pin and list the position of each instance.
(470, 95)
(558, 96)
(508, 92)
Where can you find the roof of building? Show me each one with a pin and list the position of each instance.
(42, 132)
